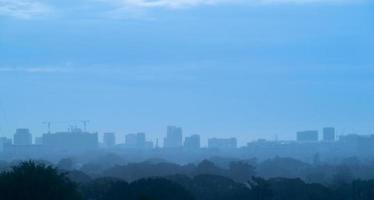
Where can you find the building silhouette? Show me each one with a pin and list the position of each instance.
(22, 137)
(307, 136)
(222, 143)
(135, 140)
(22, 144)
(192, 142)
(73, 140)
(109, 139)
(174, 137)
(329, 134)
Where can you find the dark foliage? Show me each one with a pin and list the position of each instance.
(239, 171)
(33, 180)
(30, 180)
(144, 189)
(158, 189)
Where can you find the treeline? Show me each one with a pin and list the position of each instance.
(33, 180)
(345, 170)
(342, 171)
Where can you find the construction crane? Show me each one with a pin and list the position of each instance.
(84, 123)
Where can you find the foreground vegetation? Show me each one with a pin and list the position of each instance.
(33, 180)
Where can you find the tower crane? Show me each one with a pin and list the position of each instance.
(49, 124)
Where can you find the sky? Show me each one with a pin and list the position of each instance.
(242, 68)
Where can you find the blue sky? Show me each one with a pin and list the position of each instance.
(250, 69)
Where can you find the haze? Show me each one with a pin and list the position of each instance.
(252, 69)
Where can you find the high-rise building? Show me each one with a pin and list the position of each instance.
(192, 142)
(141, 139)
(109, 139)
(174, 137)
(222, 143)
(131, 140)
(73, 140)
(307, 136)
(328, 134)
(135, 140)
(22, 137)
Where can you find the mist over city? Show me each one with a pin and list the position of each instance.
(186, 100)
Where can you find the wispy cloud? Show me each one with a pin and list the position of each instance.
(23, 9)
(27, 9)
(192, 3)
(301, 2)
(170, 3)
(138, 9)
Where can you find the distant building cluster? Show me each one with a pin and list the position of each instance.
(138, 141)
(78, 140)
(328, 135)
(192, 142)
(73, 140)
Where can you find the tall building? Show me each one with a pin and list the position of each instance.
(192, 142)
(73, 140)
(222, 143)
(22, 137)
(329, 134)
(135, 140)
(141, 139)
(109, 139)
(174, 137)
(307, 136)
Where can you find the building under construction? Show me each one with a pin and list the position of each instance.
(73, 140)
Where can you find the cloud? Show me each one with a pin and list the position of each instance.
(170, 3)
(192, 3)
(307, 1)
(23, 9)
(27, 9)
(141, 9)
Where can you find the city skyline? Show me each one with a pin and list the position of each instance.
(175, 137)
(62, 126)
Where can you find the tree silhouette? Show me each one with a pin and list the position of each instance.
(31, 180)
(241, 171)
(65, 164)
(158, 189)
(261, 189)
